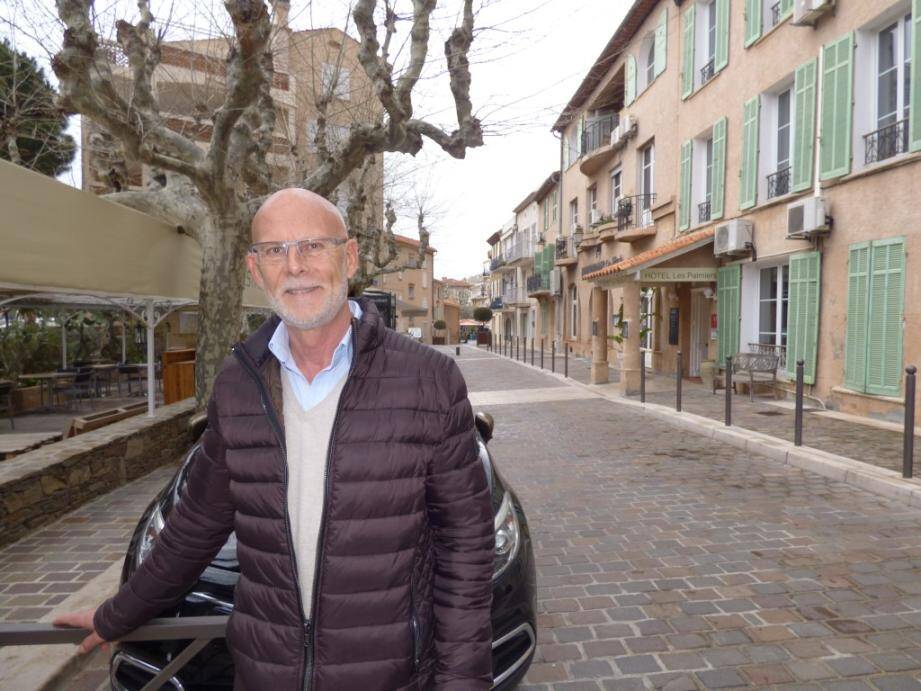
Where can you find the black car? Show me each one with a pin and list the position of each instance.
(513, 611)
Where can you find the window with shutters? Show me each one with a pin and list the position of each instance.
(776, 140)
(763, 15)
(773, 298)
(701, 177)
(617, 190)
(875, 316)
(573, 215)
(573, 311)
(646, 73)
(646, 177)
(706, 29)
(882, 85)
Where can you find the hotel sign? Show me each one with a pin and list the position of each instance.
(684, 275)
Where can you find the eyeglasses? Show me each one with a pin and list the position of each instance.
(307, 248)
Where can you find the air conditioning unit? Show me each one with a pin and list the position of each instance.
(615, 136)
(733, 237)
(594, 216)
(807, 12)
(555, 287)
(628, 125)
(807, 217)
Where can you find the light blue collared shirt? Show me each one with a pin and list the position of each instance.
(310, 393)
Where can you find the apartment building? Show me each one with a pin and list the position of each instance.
(738, 177)
(414, 288)
(189, 85)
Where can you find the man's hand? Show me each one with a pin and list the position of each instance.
(83, 620)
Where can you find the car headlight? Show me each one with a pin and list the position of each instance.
(508, 536)
(152, 529)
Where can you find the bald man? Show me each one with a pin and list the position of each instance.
(344, 457)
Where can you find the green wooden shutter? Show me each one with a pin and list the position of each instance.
(687, 52)
(748, 193)
(752, 21)
(837, 81)
(786, 7)
(728, 288)
(884, 317)
(804, 126)
(855, 341)
(630, 81)
(718, 178)
(684, 199)
(914, 118)
(803, 313)
(661, 56)
(721, 56)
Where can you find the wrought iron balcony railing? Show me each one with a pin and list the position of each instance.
(567, 247)
(778, 183)
(635, 212)
(538, 283)
(886, 142)
(703, 212)
(775, 14)
(707, 72)
(598, 266)
(597, 133)
(496, 262)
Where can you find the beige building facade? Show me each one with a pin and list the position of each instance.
(414, 288)
(739, 177)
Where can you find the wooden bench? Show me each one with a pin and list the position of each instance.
(760, 367)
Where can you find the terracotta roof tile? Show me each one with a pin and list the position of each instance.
(649, 255)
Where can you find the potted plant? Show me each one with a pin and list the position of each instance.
(439, 325)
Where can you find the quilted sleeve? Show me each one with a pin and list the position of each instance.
(460, 514)
(194, 533)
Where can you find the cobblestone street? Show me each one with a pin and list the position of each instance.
(667, 560)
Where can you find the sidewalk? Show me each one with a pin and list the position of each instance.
(865, 440)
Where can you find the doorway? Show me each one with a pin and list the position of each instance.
(647, 325)
(700, 330)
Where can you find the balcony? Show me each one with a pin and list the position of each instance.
(886, 142)
(521, 251)
(597, 133)
(703, 212)
(496, 303)
(778, 183)
(634, 217)
(513, 296)
(496, 263)
(567, 250)
(539, 285)
(707, 72)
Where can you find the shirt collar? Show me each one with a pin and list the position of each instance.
(279, 344)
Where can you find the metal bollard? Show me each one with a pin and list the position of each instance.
(532, 351)
(642, 382)
(566, 347)
(457, 350)
(553, 356)
(798, 413)
(908, 443)
(517, 347)
(728, 390)
(678, 373)
(541, 353)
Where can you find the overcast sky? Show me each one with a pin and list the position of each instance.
(528, 57)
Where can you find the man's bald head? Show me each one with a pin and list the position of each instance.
(296, 213)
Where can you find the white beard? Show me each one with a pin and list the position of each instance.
(329, 311)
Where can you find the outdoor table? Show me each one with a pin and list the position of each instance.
(104, 369)
(138, 368)
(46, 380)
(17, 443)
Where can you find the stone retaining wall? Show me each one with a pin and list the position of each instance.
(40, 486)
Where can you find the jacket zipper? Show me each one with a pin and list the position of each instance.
(414, 624)
(315, 604)
(272, 416)
(268, 408)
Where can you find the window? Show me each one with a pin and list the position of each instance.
(545, 206)
(708, 146)
(412, 291)
(616, 190)
(647, 316)
(593, 213)
(573, 311)
(705, 35)
(554, 204)
(711, 38)
(893, 88)
(783, 130)
(573, 215)
(647, 183)
(400, 275)
(778, 115)
(335, 79)
(773, 300)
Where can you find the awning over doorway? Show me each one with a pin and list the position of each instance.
(644, 260)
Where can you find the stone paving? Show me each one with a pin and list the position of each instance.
(669, 561)
(879, 447)
(40, 570)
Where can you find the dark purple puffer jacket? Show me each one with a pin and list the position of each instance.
(403, 587)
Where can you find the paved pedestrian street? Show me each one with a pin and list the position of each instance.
(667, 560)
